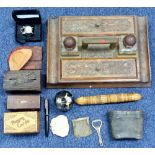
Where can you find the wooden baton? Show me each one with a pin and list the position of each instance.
(112, 98)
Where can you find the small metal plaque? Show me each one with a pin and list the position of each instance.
(100, 68)
(21, 122)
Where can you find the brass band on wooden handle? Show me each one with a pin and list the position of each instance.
(112, 98)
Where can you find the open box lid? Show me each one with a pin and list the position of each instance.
(26, 16)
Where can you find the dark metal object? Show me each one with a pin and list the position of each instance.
(23, 80)
(100, 57)
(46, 107)
(23, 102)
(69, 42)
(126, 124)
(129, 40)
(64, 100)
(28, 25)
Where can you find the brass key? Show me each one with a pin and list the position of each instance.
(97, 124)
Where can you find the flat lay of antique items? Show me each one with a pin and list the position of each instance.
(82, 52)
(23, 78)
(97, 51)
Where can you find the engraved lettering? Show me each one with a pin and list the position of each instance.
(20, 122)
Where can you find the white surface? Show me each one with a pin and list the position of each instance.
(59, 126)
(77, 3)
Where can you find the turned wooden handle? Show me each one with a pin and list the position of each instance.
(112, 98)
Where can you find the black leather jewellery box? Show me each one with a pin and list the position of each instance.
(28, 25)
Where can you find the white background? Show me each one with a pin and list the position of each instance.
(77, 3)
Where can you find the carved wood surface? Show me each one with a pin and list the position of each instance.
(98, 68)
(21, 122)
(97, 25)
(17, 59)
(28, 80)
(35, 62)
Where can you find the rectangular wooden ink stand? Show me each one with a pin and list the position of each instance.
(98, 51)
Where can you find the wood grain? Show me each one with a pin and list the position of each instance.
(35, 62)
(17, 59)
(33, 65)
(23, 80)
(24, 102)
(36, 51)
(21, 122)
(112, 98)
